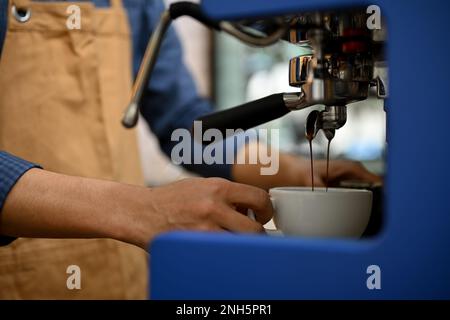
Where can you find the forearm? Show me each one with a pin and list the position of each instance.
(43, 204)
(48, 205)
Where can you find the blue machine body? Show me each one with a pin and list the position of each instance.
(413, 249)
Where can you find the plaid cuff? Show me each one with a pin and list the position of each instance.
(11, 169)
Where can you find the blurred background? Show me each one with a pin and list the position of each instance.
(230, 73)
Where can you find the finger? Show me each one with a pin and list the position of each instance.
(351, 170)
(357, 171)
(232, 220)
(366, 175)
(210, 227)
(251, 197)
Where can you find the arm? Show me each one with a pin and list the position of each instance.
(11, 169)
(50, 205)
(44, 204)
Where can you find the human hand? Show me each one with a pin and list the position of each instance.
(339, 170)
(201, 204)
(43, 204)
(296, 171)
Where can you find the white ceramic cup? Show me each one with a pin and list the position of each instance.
(337, 213)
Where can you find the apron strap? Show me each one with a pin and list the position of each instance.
(114, 3)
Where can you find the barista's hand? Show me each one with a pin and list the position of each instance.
(296, 171)
(201, 204)
(339, 170)
(43, 204)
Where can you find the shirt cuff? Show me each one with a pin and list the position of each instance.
(11, 170)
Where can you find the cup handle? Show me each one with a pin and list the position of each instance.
(252, 215)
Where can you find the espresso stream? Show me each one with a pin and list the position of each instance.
(312, 162)
(328, 164)
(310, 137)
(310, 133)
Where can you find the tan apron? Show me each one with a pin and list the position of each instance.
(62, 93)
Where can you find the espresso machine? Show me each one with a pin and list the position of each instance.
(408, 256)
(341, 70)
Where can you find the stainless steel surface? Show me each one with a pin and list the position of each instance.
(329, 134)
(331, 91)
(341, 67)
(311, 126)
(254, 40)
(327, 120)
(335, 23)
(295, 101)
(299, 69)
(333, 117)
(339, 71)
(326, 92)
(131, 114)
(381, 88)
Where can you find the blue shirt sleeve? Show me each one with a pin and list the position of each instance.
(171, 100)
(3, 21)
(11, 169)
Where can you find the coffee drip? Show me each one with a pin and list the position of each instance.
(310, 133)
(311, 130)
(329, 133)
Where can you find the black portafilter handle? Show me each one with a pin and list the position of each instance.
(247, 115)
